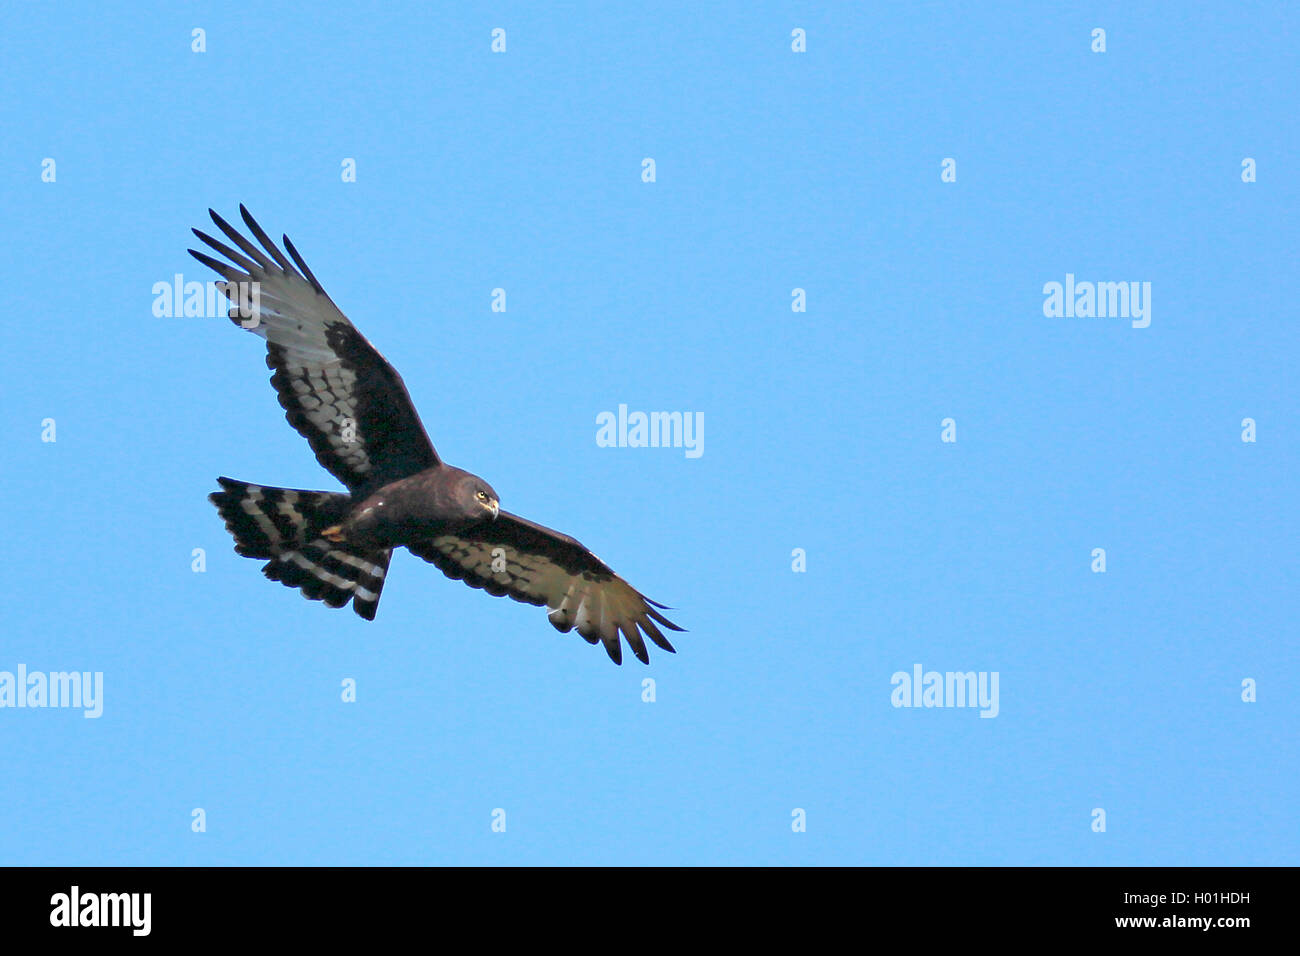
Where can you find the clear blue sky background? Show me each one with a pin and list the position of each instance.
(822, 430)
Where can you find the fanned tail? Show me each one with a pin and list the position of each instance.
(283, 525)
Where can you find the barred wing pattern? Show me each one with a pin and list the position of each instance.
(514, 557)
(337, 391)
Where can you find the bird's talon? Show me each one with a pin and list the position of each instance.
(334, 533)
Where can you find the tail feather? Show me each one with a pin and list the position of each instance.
(266, 522)
(283, 525)
(334, 574)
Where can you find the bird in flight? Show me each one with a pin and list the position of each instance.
(340, 394)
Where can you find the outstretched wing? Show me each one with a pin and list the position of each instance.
(337, 390)
(513, 556)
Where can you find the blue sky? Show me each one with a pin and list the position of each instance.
(775, 170)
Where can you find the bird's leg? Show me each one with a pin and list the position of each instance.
(333, 533)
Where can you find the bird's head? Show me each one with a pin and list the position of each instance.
(477, 498)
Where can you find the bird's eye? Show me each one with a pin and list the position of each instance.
(482, 496)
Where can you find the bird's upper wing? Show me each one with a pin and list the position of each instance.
(513, 556)
(336, 389)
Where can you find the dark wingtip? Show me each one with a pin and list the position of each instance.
(666, 645)
(247, 216)
(302, 266)
(260, 235)
(656, 616)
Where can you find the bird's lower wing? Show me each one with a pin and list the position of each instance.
(514, 557)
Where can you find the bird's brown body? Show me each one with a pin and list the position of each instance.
(439, 500)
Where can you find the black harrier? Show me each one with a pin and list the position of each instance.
(351, 406)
